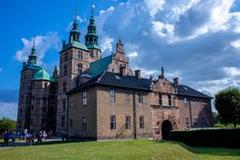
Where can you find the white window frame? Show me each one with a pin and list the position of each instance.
(84, 98)
(112, 96)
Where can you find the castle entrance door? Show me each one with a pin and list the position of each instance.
(166, 129)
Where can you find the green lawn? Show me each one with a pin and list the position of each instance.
(117, 150)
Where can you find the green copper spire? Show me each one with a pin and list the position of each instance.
(91, 39)
(32, 58)
(74, 33)
(55, 74)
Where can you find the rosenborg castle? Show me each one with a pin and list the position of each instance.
(95, 97)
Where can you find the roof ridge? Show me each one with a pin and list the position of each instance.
(101, 75)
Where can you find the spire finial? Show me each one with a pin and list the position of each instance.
(34, 42)
(162, 71)
(33, 46)
(120, 40)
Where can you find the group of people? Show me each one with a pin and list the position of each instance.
(7, 135)
(30, 136)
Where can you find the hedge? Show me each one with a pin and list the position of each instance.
(209, 137)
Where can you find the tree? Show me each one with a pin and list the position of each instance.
(216, 118)
(227, 103)
(6, 123)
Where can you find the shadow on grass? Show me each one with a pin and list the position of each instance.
(62, 142)
(207, 150)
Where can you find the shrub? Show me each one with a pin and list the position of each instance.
(209, 137)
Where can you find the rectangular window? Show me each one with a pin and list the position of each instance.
(64, 104)
(63, 121)
(45, 85)
(185, 100)
(65, 70)
(44, 100)
(64, 86)
(169, 100)
(44, 109)
(127, 98)
(141, 122)
(80, 57)
(140, 98)
(84, 98)
(112, 96)
(113, 122)
(160, 99)
(84, 123)
(71, 122)
(79, 68)
(66, 57)
(128, 122)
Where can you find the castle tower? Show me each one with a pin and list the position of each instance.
(74, 59)
(40, 101)
(25, 91)
(91, 39)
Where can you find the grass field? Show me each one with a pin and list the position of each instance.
(118, 150)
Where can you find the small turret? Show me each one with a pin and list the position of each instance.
(74, 33)
(32, 58)
(91, 38)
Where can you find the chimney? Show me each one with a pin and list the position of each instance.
(138, 74)
(122, 70)
(176, 81)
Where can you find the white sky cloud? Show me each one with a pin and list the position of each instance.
(106, 44)
(42, 42)
(203, 34)
(232, 71)
(235, 44)
(154, 6)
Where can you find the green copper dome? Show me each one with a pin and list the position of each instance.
(42, 75)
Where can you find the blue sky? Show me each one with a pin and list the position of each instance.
(196, 40)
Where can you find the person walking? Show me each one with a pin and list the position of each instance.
(44, 135)
(6, 137)
(14, 136)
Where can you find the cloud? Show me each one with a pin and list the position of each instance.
(196, 40)
(154, 6)
(8, 110)
(106, 44)
(232, 71)
(43, 43)
(235, 44)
